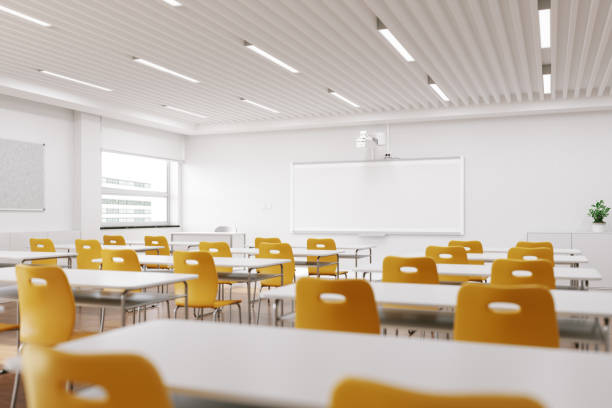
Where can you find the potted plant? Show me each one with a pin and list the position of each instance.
(599, 211)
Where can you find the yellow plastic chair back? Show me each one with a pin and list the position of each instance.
(528, 244)
(46, 305)
(358, 393)
(160, 241)
(277, 251)
(539, 253)
(421, 270)
(322, 243)
(355, 312)
(259, 241)
(129, 381)
(203, 290)
(518, 272)
(483, 314)
(120, 260)
(113, 240)
(218, 249)
(471, 247)
(87, 250)
(42, 245)
(447, 255)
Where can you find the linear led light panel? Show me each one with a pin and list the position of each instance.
(24, 16)
(53, 74)
(544, 17)
(184, 111)
(437, 89)
(388, 35)
(173, 3)
(164, 69)
(546, 78)
(259, 105)
(342, 98)
(269, 57)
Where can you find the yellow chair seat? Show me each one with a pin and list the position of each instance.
(327, 273)
(4, 327)
(215, 305)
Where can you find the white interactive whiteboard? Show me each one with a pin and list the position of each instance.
(22, 170)
(411, 196)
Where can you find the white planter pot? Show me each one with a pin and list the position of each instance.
(599, 226)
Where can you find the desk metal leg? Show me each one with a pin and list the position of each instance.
(249, 300)
(69, 262)
(186, 300)
(123, 294)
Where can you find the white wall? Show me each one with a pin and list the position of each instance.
(535, 173)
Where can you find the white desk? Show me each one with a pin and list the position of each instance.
(171, 244)
(17, 257)
(201, 236)
(555, 377)
(568, 303)
(122, 280)
(556, 251)
(580, 275)
(136, 248)
(573, 260)
(247, 263)
(300, 253)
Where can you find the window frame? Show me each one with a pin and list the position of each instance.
(170, 208)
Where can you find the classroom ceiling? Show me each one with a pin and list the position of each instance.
(480, 53)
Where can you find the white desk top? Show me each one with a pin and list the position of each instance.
(137, 248)
(555, 377)
(206, 233)
(99, 279)
(170, 243)
(297, 252)
(559, 259)
(561, 272)
(567, 302)
(249, 263)
(29, 255)
(556, 251)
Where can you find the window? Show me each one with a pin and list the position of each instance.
(139, 190)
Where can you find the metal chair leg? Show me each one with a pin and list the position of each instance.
(259, 307)
(15, 389)
(168, 308)
(239, 313)
(176, 308)
(102, 315)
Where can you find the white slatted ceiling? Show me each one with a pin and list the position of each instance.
(478, 51)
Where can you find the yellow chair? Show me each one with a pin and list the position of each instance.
(128, 380)
(356, 312)
(113, 240)
(88, 250)
(202, 292)
(159, 241)
(450, 255)
(527, 244)
(42, 245)
(329, 270)
(222, 250)
(531, 322)
(277, 251)
(541, 273)
(539, 253)
(259, 241)
(471, 247)
(425, 270)
(358, 393)
(120, 260)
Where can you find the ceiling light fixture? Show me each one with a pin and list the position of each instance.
(53, 74)
(342, 98)
(173, 3)
(269, 57)
(388, 35)
(437, 89)
(544, 18)
(184, 111)
(259, 105)
(546, 79)
(164, 69)
(24, 16)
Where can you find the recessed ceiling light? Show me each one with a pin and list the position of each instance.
(184, 111)
(164, 69)
(546, 78)
(270, 57)
(437, 89)
(388, 35)
(24, 16)
(544, 18)
(342, 98)
(259, 105)
(53, 74)
(173, 3)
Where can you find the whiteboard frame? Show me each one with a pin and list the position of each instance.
(383, 232)
(44, 196)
